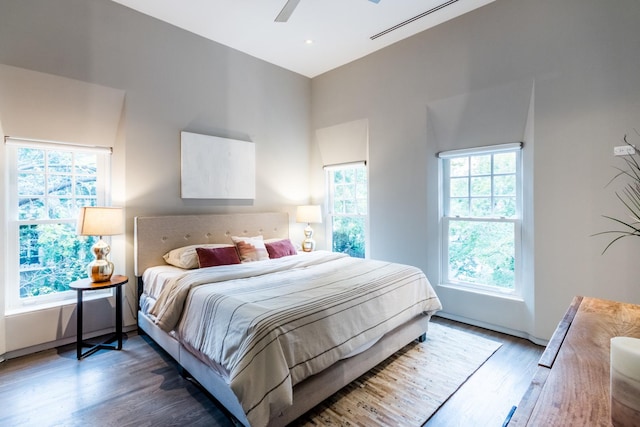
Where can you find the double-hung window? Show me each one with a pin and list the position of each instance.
(347, 199)
(481, 218)
(48, 183)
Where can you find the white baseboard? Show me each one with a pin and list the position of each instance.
(58, 343)
(491, 327)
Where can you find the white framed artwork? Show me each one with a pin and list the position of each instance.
(217, 168)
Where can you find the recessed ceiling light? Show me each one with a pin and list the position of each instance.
(308, 41)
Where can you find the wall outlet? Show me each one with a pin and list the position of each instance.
(624, 150)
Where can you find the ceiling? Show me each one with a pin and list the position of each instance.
(340, 31)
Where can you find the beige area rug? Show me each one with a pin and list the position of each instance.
(410, 386)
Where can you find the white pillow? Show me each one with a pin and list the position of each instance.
(187, 257)
(251, 248)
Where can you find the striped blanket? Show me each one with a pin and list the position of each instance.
(271, 324)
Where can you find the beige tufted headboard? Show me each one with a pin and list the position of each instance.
(155, 236)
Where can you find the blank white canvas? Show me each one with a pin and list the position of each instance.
(217, 168)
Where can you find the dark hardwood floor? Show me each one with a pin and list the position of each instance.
(487, 397)
(141, 386)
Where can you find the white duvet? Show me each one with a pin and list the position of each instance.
(271, 324)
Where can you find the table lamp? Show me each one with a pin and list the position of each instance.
(309, 214)
(100, 221)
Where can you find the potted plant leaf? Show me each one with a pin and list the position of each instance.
(629, 196)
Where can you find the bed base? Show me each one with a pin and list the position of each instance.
(308, 393)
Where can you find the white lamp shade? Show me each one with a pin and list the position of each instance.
(100, 221)
(309, 214)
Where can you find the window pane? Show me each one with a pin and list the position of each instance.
(459, 207)
(31, 184)
(51, 256)
(62, 208)
(459, 187)
(481, 186)
(29, 249)
(59, 185)
(348, 236)
(481, 207)
(459, 166)
(361, 190)
(504, 207)
(85, 163)
(362, 206)
(31, 160)
(482, 253)
(86, 186)
(348, 176)
(350, 207)
(481, 165)
(344, 191)
(505, 185)
(85, 202)
(504, 163)
(59, 161)
(31, 208)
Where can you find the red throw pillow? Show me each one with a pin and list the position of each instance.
(280, 248)
(212, 257)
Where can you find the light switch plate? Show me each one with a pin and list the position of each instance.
(624, 150)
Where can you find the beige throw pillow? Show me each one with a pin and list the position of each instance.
(186, 256)
(251, 249)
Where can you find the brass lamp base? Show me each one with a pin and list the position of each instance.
(308, 244)
(100, 269)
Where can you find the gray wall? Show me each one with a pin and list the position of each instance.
(561, 75)
(173, 80)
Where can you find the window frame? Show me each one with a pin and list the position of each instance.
(446, 219)
(13, 302)
(331, 214)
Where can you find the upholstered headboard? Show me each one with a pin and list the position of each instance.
(155, 236)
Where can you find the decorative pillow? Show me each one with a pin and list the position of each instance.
(186, 256)
(250, 248)
(297, 246)
(213, 257)
(280, 248)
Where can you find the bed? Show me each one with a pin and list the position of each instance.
(273, 338)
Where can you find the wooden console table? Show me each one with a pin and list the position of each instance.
(571, 386)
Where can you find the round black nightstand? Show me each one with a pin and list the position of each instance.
(87, 285)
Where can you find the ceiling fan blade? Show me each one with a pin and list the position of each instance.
(287, 10)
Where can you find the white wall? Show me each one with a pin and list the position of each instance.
(574, 61)
(172, 81)
(562, 76)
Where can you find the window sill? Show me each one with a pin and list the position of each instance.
(481, 291)
(39, 306)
